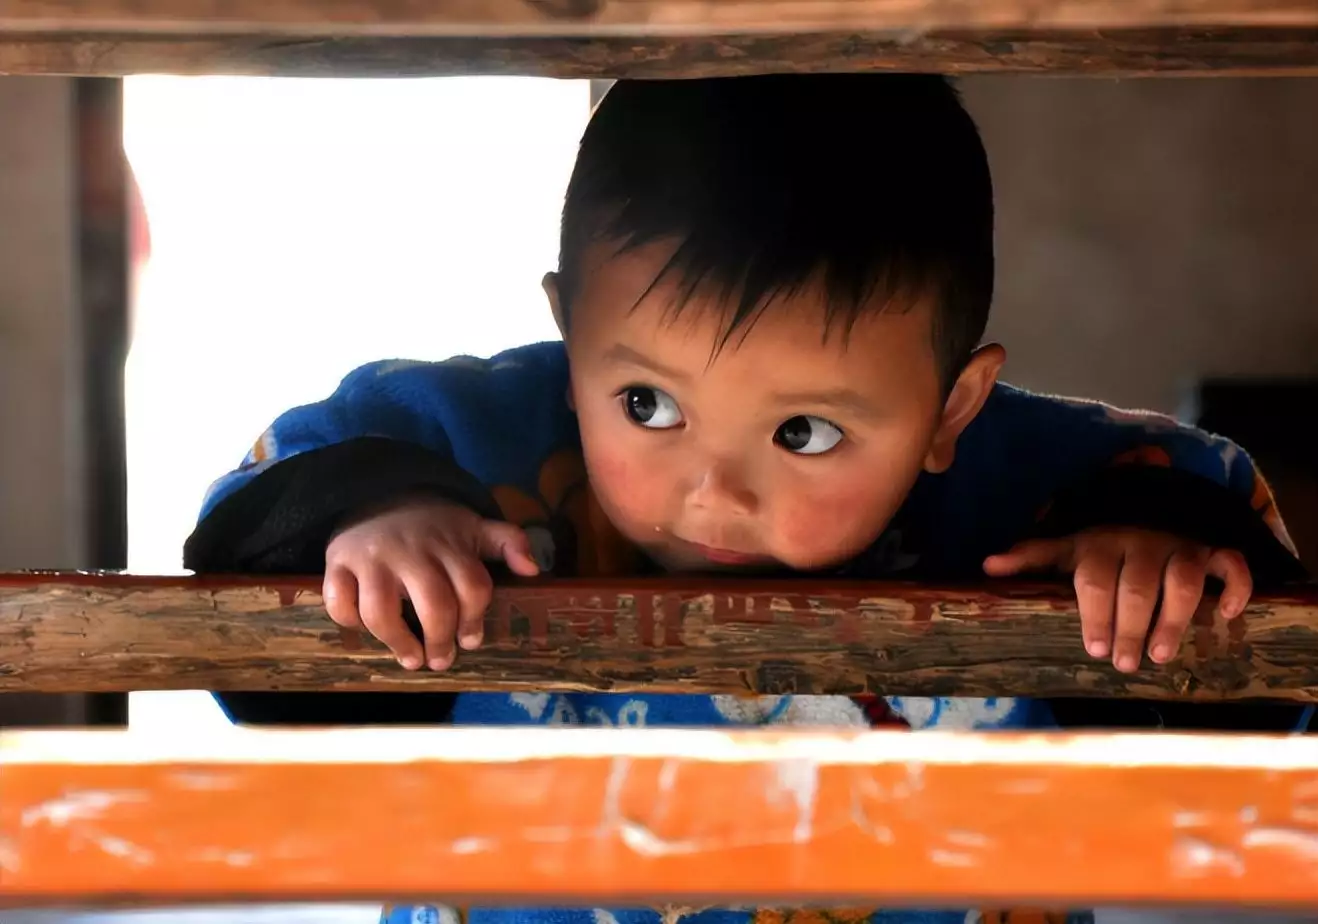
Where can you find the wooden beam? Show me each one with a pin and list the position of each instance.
(1184, 52)
(61, 632)
(627, 817)
(398, 18)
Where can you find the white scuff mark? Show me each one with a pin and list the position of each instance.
(1295, 840)
(465, 846)
(1193, 856)
(77, 805)
(643, 841)
(967, 839)
(881, 834)
(603, 916)
(238, 859)
(799, 779)
(1249, 815)
(610, 809)
(951, 858)
(915, 775)
(118, 847)
(8, 856)
(1189, 820)
(668, 776)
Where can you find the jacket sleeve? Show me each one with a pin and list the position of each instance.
(1189, 483)
(390, 430)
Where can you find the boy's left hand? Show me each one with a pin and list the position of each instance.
(1119, 575)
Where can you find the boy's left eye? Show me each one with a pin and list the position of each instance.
(807, 435)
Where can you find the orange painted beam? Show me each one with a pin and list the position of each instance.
(62, 632)
(591, 816)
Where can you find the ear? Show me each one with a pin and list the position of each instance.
(550, 284)
(973, 387)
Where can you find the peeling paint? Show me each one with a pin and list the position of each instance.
(1198, 858)
(118, 847)
(799, 778)
(1296, 840)
(77, 805)
(469, 845)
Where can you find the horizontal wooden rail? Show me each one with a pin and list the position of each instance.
(403, 18)
(655, 38)
(108, 632)
(1128, 53)
(602, 816)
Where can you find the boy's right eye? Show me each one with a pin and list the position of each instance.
(650, 408)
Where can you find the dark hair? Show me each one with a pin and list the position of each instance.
(876, 184)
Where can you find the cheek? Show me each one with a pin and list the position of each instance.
(834, 518)
(627, 480)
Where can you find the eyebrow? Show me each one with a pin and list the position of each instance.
(621, 353)
(843, 399)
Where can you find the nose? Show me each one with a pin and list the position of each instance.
(721, 486)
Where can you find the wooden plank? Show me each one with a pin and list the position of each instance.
(113, 632)
(624, 817)
(398, 18)
(1185, 52)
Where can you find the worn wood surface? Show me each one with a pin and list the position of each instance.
(627, 17)
(1177, 51)
(61, 632)
(623, 817)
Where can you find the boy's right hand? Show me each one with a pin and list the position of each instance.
(430, 552)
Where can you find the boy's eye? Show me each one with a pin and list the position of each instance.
(651, 408)
(807, 435)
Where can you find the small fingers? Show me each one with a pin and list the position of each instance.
(1182, 591)
(1033, 555)
(1096, 592)
(1137, 597)
(380, 601)
(432, 597)
(339, 591)
(473, 588)
(1230, 566)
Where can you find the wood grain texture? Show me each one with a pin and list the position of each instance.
(1185, 52)
(62, 632)
(628, 17)
(625, 817)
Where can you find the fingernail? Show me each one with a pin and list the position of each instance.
(1097, 648)
(440, 664)
(1127, 663)
(471, 641)
(1161, 652)
(411, 662)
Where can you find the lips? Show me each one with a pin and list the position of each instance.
(725, 556)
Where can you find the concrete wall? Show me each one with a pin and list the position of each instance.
(41, 515)
(1153, 232)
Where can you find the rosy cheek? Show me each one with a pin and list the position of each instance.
(628, 487)
(824, 527)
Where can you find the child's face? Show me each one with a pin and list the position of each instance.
(785, 448)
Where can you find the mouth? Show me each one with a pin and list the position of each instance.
(719, 556)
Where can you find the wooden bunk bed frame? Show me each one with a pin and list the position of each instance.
(108, 817)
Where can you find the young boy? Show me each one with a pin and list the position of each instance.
(772, 292)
